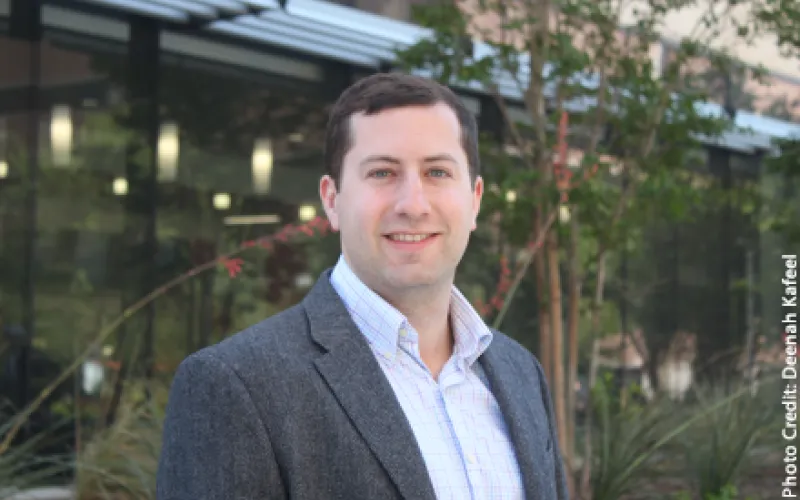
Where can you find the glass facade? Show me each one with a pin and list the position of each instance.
(129, 155)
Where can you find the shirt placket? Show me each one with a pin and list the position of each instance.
(453, 385)
(446, 390)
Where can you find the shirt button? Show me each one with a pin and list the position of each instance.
(471, 459)
(403, 332)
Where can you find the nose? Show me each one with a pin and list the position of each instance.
(412, 199)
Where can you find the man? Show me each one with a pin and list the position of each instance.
(383, 383)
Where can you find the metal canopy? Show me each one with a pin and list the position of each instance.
(359, 38)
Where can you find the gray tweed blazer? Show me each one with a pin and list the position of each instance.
(297, 407)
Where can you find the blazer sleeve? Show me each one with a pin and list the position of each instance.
(558, 460)
(215, 446)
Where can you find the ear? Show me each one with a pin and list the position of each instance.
(328, 195)
(477, 196)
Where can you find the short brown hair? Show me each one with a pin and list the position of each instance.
(382, 91)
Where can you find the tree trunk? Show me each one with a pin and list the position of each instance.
(556, 316)
(545, 330)
(573, 315)
(586, 476)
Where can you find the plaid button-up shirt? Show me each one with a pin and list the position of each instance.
(456, 420)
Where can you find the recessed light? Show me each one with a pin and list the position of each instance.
(222, 201)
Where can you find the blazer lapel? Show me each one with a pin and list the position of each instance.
(529, 434)
(358, 383)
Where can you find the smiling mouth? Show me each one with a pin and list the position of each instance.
(410, 237)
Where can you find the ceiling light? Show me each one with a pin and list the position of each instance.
(120, 186)
(222, 201)
(307, 212)
(168, 152)
(262, 166)
(250, 220)
(93, 375)
(61, 135)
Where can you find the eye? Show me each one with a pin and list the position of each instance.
(380, 173)
(438, 172)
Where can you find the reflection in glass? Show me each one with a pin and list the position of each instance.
(251, 220)
(222, 201)
(61, 135)
(120, 186)
(307, 212)
(93, 375)
(262, 166)
(168, 151)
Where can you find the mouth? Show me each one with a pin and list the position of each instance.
(410, 237)
(410, 241)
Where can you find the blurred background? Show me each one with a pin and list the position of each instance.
(141, 139)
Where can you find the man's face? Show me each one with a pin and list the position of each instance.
(406, 204)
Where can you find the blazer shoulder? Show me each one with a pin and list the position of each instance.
(514, 350)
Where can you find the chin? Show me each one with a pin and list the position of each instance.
(408, 278)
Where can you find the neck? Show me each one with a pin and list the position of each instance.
(429, 314)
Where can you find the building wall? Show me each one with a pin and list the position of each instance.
(776, 95)
(762, 50)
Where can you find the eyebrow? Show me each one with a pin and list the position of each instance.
(396, 161)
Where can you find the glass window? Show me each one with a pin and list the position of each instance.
(15, 213)
(58, 213)
(147, 158)
(240, 156)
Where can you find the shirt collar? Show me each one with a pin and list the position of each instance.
(380, 322)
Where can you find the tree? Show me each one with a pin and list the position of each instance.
(780, 18)
(599, 138)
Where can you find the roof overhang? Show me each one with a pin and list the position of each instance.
(331, 31)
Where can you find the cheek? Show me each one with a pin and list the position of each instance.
(460, 210)
(360, 215)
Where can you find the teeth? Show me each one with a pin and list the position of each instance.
(409, 237)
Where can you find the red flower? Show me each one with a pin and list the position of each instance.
(234, 266)
(497, 302)
(320, 223)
